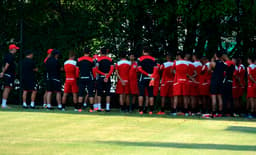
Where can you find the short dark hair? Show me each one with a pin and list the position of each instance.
(72, 54)
(122, 54)
(252, 57)
(181, 54)
(104, 50)
(219, 53)
(28, 52)
(146, 49)
(87, 50)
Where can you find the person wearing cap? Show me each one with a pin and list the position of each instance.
(8, 73)
(104, 68)
(49, 52)
(53, 83)
(28, 81)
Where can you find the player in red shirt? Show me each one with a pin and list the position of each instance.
(251, 89)
(133, 80)
(49, 52)
(166, 89)
(157, 81)
(196, 106)
(191, 84)
(71, 72)
(180, 85)
(241, 74)
(122, 88)
(235, 87)
(204, 85)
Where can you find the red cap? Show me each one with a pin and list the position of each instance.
(13, 46)
(49, 51)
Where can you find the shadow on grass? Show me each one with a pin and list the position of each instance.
(242, 129)
(115, 112)
(183, 145)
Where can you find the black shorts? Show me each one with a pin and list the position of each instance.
(86, 84)
(227, 89)
(53, 85)
(216, 87)
(103, 86)
(8, 81)
(143, 84)
(29, 85)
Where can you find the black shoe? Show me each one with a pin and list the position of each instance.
(32, 107)
(49, 108)
(25, 107)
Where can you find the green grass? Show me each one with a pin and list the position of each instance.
(42, 132)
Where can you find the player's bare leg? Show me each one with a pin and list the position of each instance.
(174, 106)
(58, 99)
(33, 98)
(214, 103)
(24, 99)
(121, 102)
(45, 99)
(140, 100)
(107, 103)
(220, 103)
(64, 98)
(48, 99)
(151, 105)
(186, 103)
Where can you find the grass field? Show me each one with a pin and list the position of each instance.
(42, 132)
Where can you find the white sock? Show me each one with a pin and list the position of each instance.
(4, 102)
(32, 104)
(99, 106)
(85, 104)
(25, 104)
(59, 106)
(95, 106)
(49, 105)
(108, 106)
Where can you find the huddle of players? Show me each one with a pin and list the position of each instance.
(189, 83)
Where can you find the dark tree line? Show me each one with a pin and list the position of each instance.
(203, 26)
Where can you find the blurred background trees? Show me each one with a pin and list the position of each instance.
(201, 26)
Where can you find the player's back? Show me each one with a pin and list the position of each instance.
(167, 74)
(70, 69)
(123, 67)
(181, 70)
(251, 71)
(198, 67)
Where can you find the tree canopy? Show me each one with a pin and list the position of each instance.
(201, 26)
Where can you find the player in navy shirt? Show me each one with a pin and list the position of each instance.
(28, 81)
(53, 69)
(104, 68)
(8, 73)
(147, 67)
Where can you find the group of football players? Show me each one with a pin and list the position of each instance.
(187, 84)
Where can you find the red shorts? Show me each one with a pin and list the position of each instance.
(156, 89)
(133, 87)
(241, 91)
(180, 89)
(204, 89)
(193, 89)
(251, 92)
(120, 89)
(235, 92)
(166, 89)
(70, 87)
